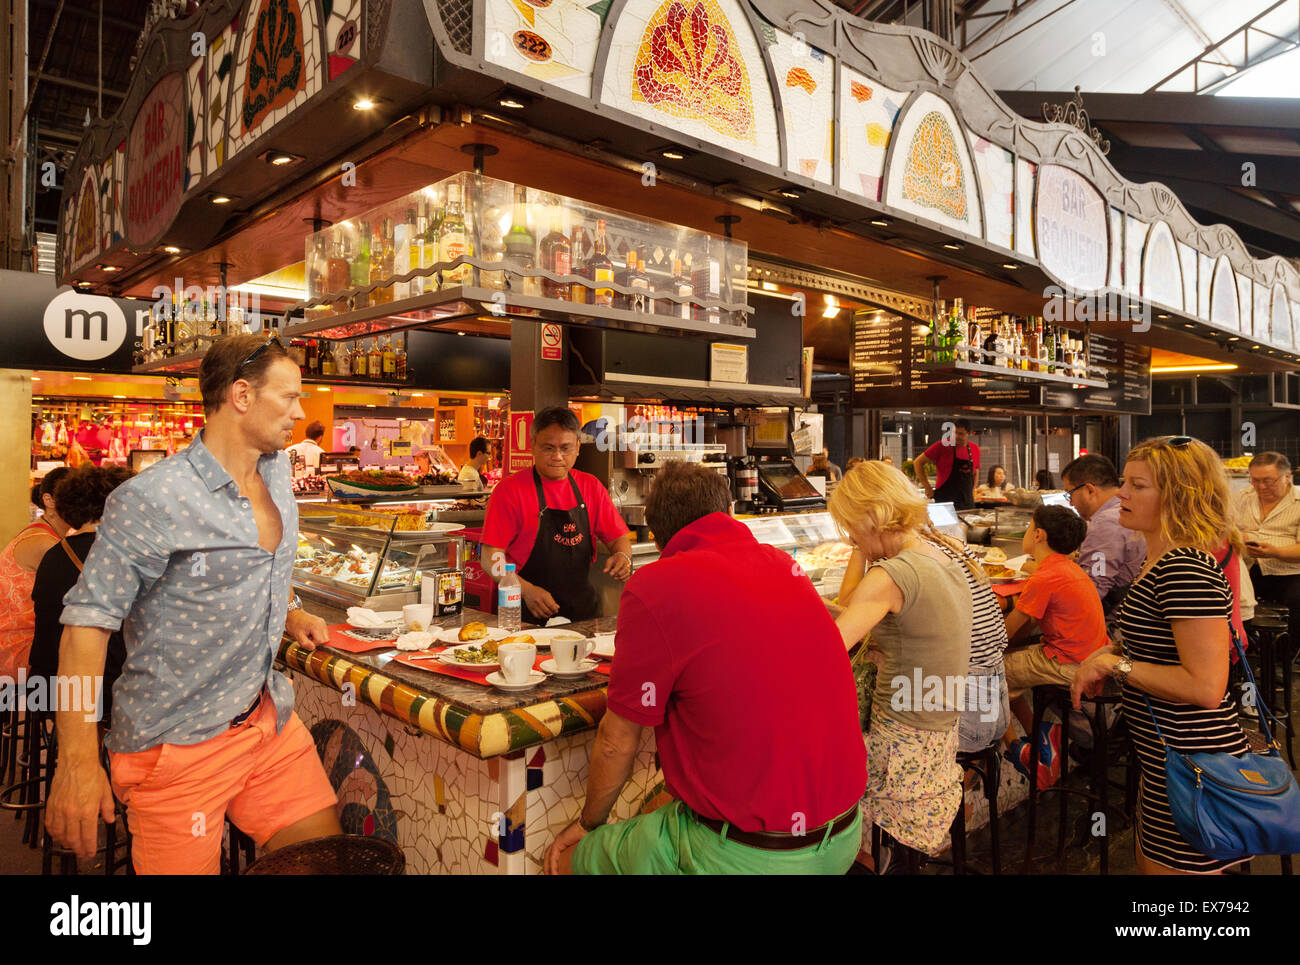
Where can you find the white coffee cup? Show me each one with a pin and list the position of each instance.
(417, 616)
(516, 661)
(569, 651)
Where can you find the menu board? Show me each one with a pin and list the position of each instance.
(1127, 371)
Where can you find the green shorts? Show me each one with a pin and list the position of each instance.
(670, 841)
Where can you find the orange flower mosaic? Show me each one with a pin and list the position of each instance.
(934, 176)
(798, 77)
(689, 66)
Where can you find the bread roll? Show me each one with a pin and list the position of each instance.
(518, 638)
(475, 630)
(995, 554)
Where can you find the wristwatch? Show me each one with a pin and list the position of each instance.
(1123, 667)
(295, 603)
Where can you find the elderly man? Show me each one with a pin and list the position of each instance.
(1111, 555)
(1268, 515)
(704, 636)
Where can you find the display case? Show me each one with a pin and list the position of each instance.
(375, 558)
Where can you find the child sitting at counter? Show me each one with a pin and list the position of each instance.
(1060, 598)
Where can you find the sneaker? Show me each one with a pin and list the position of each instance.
(1017, 753)
(1049, 754)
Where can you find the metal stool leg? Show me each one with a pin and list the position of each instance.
(1064, 803)
(1033, 780)
(992, 783)
(1101, 776)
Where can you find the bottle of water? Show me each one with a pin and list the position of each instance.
(510, 600)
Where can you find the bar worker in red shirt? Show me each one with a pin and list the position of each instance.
(546, 521)
(764, 756)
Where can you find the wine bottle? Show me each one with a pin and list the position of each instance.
(453, 240)
(360, 269)
(601, 269)
(521, 248)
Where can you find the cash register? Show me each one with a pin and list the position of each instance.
(782, 488)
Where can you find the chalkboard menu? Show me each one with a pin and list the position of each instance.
(1128, 376)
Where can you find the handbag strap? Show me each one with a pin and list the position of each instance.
(72, 555)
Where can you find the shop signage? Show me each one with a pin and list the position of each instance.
(155, 161)
(452, 402)
(84, 327)
(552, 342)
(1071, 229)
(729, 363)
(519, 444)
(63, 330)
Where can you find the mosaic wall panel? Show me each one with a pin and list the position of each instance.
(1116, 249)
(108, 202)
(447, 809)
(1187, 261)
(806, 80)
(551, 42)
(116, 230)
(85, 231)
(1279, 326)
(1135, 237)
(194, 112)
(930, 173)
(1262, 311)
(1245, 305)
(1025, 173)
(868, 112)
(1295, 320)
(1223, 297)
(221, 62)
(1162, 280)
(995, 168)
(715, 91)
(280, 41)
(342, 36)
(1204, 284)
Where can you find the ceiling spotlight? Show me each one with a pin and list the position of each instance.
(171, 249)
(794, 194)
(460, 333)
(109, 268)
(363, 104)
(220, 199)
(672, 155)
(83, 284)
(952, 246)
(832, 307)
(280, 158)
(880, 222)
(1234, 338)
(82, 378)
(1185, 324)
(1010, 266)
(513, 101)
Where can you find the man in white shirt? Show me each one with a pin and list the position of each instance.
(309, 450)
(471, 474)
(1268, 515)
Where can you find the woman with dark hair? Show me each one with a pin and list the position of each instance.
(79, 500)
(995, 487)
(1043, 480)
(18, 563)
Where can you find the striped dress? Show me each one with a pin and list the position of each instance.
(1184, 584)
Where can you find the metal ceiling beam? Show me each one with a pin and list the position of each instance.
(1216, 56)
(1257, 223)
(79, 85)
(1166, 108)
(1272, 173)
(109, 19)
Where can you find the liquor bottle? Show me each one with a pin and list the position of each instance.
(400, 359)
(601, 269)
(1042, 347)
(389, 360)
(708, 284)
(1061, 338)
(1002, 346)
(651, 303)
(343, 361)
(318, 264)
(682, 287)
(453, 240)
(375, 360)
(1049, 350)
(1031, 348)
(328, 367)
(381, 262)
(313, 357)
(406, 254)
(360, 361)
(556, 257)
(991, 344)
(579, 292)
(974, 338)
(956, 335)
(623, 277)
(521, 248)
(638, 280)
(428, 241)
(360, 265)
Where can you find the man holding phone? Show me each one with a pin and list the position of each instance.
(1268, 515)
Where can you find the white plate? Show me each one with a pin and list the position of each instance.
(451, 636)
(544, 635)
(604, 645)
(496, 680)
(391, 620)
(448, 657)
(584, 667)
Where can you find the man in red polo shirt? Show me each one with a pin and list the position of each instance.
(547, 519)
(711, 637)
(957, 462)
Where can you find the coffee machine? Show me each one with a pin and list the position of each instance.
(637, 463)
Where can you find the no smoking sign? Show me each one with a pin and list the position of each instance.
(551, 342)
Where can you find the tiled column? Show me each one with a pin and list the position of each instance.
(512, 782)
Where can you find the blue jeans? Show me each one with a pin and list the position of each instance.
(987, 712)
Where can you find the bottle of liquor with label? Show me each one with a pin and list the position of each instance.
(360, 265)
(601, 269)
(1031, 346)
(682, 287)
(991, 344)
(521, 248)
(638, 280)
(343, 361)
(416, 226)
(1002, 345)
(360, 360)
(428, 239)
(956, 334)
(400, 358)
(381, 262)
(1049, 349)
(375, 360)
(328, 367)
(579, 292)
(708, 284)
(453, 240)
(389, 360)
(974, 338)
(313, 357)
(1062, 338)
(556, 257)
(318, 271)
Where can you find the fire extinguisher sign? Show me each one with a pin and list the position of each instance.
(519, 448)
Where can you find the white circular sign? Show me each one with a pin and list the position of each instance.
(1071, 227)
(84, 327)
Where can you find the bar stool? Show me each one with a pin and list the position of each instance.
(987, 763)
(1099, 783)
(1271, 632)
(23, 794)
(343, 854)
(241, 854)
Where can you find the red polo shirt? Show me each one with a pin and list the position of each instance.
(511, 521)
(942, 457)
(734, 660)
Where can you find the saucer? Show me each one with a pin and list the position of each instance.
(584, 667)
(498, 681)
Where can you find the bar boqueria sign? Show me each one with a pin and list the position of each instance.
(887, 120)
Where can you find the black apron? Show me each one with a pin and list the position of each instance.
(959, 487)
(560, 562)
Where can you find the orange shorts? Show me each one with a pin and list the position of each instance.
(178, 795)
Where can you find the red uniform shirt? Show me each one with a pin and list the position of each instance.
(942, 455)
(1064, 601)
(512, 511)
(738, 666)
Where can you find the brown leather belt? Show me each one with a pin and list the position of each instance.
(775, 841)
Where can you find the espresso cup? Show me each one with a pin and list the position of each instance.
(569, 651)
(516, 661)
(417, 616)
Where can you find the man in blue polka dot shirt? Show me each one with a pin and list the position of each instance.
(193, 562)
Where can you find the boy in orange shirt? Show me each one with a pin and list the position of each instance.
(1062, 600)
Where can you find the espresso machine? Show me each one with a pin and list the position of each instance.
(636, 465)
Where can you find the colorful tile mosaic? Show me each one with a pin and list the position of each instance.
(1224, 310)
(1026, 171)
(995, 167)
(930, 169)
(342, 35)
(278, 67)
(807, 92)
(194, 112)
(694, 66)
(1162, 280)
(868, 112)
(221, 60)
(85, 233)
(554, 42)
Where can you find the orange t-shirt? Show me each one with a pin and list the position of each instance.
(1064, 601)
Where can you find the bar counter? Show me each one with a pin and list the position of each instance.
(466, 779)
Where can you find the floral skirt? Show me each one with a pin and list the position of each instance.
(913, 783)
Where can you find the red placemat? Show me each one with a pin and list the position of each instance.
(1009, 589)
(437, 666)
(341, 641)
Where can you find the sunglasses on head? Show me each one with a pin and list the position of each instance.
(252, 357)
(1178, 442)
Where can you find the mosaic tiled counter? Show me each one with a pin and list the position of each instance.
(464, 778)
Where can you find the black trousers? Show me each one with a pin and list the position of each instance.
(1280, 589)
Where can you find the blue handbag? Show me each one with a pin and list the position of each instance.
(1229, 806)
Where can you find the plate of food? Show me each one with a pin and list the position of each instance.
(370, 482)
(474, 632)
(1001, 573)
(480, 656)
